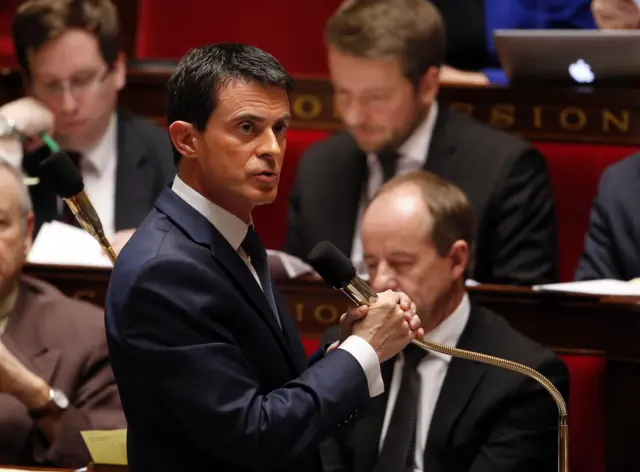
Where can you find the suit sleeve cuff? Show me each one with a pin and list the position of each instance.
(368, 360)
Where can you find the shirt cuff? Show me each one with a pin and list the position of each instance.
(368, 360)
(11, 151)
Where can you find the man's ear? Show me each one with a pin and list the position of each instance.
(184, 137)
(429, 86)
(459, 256)
(120, 71)
(28, 233)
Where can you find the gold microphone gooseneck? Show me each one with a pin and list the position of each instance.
(336, 269)
(81, 207)
(68, 185)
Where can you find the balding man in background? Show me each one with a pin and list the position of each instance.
(55, 377)
(439, 414)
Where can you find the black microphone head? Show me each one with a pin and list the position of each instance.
(63, 173)
(334, 267)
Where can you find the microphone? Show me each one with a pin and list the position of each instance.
(68, 185)
(337, 270)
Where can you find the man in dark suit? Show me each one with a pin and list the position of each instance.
(69, 53)
(440, 414)
(55, 378)
(384, 61)
(210, 368)
(612, 243)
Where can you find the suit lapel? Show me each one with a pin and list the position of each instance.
(347, 184)
(291, 335)
(461, 380)
(23, 337)
(442, 146)
(202, 232)
(132, 196)
(369, 428)
(238, 271)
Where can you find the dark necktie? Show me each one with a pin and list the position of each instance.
(258, 255)
(67, 215)
(389, 162)
(398, 449)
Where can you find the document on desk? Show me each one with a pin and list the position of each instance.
(58, 243)
(286, 266)
(107, 447)
(608, 287)
(23, 470)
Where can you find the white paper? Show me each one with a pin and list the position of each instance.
(594, 287)
(294, 266)
(58, 243)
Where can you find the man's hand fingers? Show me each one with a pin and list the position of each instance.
(415, 322)
(404, 301)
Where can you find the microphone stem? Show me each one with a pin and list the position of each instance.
(90, 222)
(563, 426)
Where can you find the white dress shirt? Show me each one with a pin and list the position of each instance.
(432, 370)
(6, 307)
(98, 170)
(234, 230)
(412, 156)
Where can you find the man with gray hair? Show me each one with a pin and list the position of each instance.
(55, 378)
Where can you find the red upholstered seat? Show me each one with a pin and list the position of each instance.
(575, 170)
(586, 413)
(7, 9)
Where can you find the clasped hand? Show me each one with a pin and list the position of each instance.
(388, 325)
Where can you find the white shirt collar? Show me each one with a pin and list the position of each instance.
(417, 145)
(6, 307)
(449, 331)
(232, 228)
(98, 157)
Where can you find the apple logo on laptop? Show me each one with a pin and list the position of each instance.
(581, 72)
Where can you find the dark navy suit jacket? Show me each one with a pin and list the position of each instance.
(612, 243)
(208, 380)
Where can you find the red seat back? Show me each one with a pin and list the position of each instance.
(586, 413)
(575, 171)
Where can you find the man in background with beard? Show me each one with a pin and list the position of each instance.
(384, 59)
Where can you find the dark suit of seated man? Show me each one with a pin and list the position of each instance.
(440, 414)
(612, 243)
(53, 351)
(69, 53)
(384, 61)
(209, 365)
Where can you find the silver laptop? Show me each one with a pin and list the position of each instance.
(583, 57)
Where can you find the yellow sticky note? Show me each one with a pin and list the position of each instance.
(107, 447)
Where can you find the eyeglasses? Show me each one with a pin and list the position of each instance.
(76, 86)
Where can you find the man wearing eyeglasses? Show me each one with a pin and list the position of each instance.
(69, 54)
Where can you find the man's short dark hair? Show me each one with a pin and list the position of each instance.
(39, 21)
(203, 72)
(409, 30)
